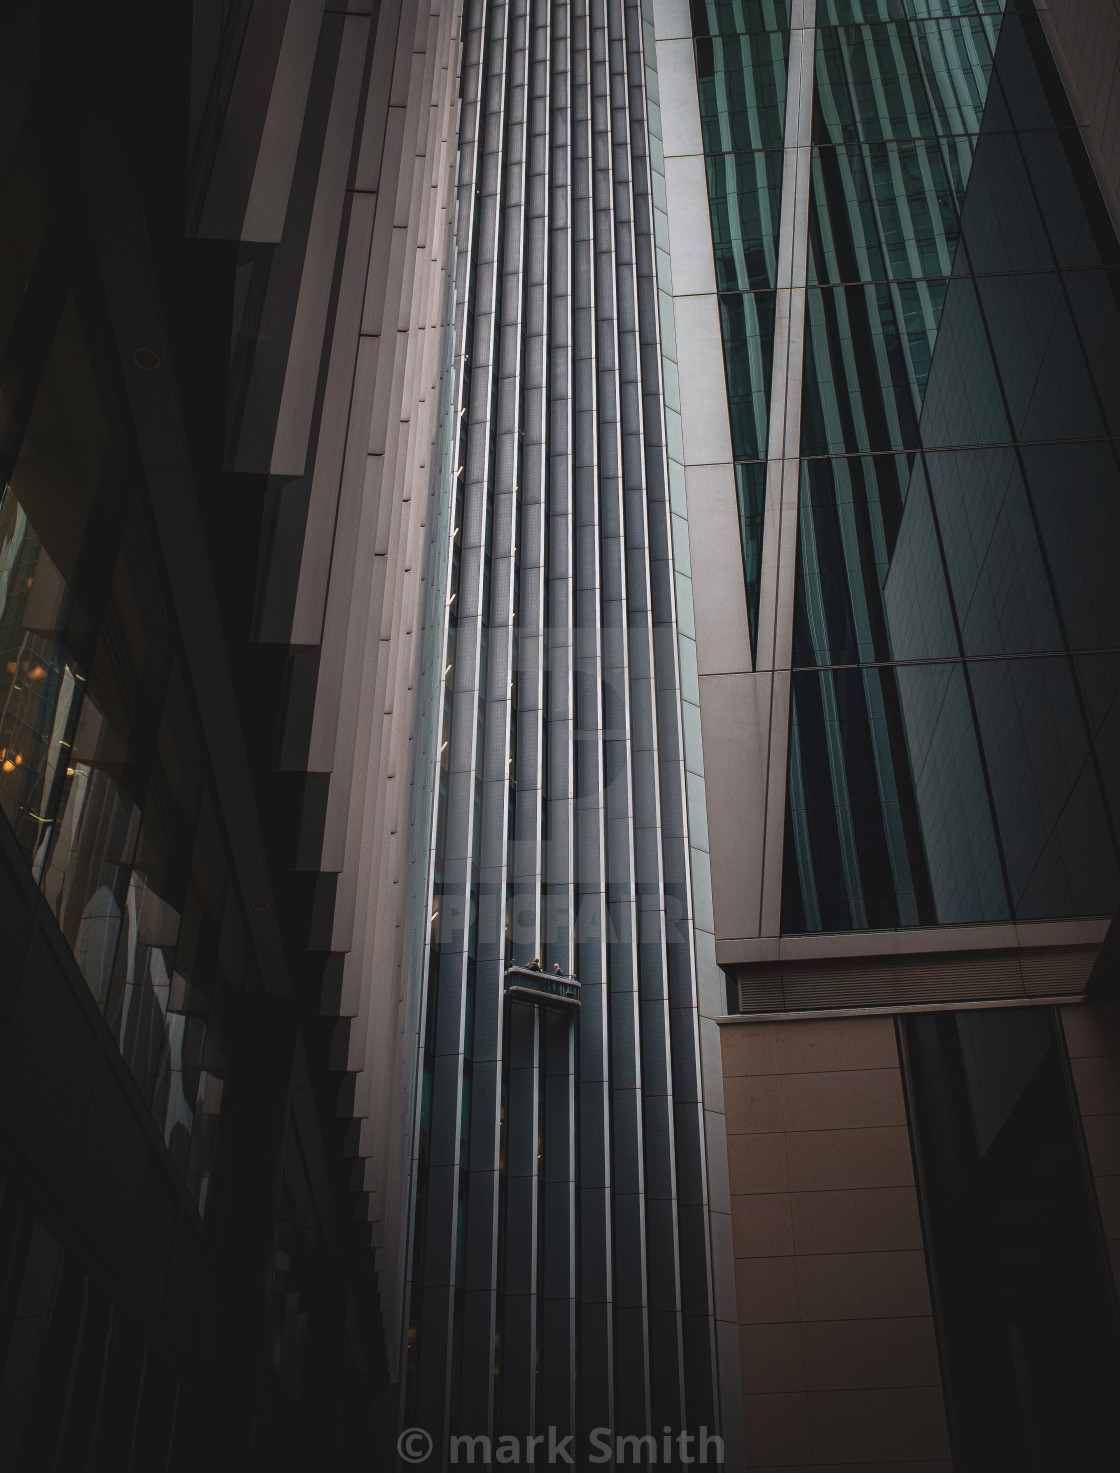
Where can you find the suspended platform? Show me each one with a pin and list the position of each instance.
(545, 989)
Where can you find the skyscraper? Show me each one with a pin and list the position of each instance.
(558, 721)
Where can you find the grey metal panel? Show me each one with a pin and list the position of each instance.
(783, 473)
(297, 401)
(680, 117)
(736, 738)
(686, 186)
(231, 134)
(276, 158)
(707, 433)
(672, 20)
(722, 632)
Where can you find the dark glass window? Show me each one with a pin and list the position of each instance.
(101, 777)
(750, 487)
(742, 88)
(868, 352)
(992, 539)
(995, 563)
(855, 12)
(963, 403)
(898, 80)
(883, 211)
(870, 584)
(1022, 1295)
(1048, 803)
(747, 321)
(889, 821)
(738, 17)
(744, 198)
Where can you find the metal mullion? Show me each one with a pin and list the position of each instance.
(483, 288)
(431, 1380)
(559, 853)
(532, 542)
(703, 1372)
(779, 557)
(596, 1246)
(556, 1204)
(628, 1183)
(662, 1284)
(522, 1205)
(520, 1236)
(560, 1329)
(464, 248)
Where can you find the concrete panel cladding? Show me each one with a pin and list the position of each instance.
(570, 1255)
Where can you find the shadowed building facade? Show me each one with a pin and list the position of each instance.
(621, 483)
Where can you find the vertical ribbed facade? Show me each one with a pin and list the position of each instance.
(561, 1270)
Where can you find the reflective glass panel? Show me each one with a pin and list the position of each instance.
(995, 564)
(744, 198)
(855, 12)
(1025, 1302)
(963, 402)
(899, 80)
(738, 17)
(964, 308)
(883, 211)
(1028, 94)
(747, 321)
(1094, 299)
(1075, 494)
(1046, 379)
(1059, 854)
(870, 585)
(867, 360)
(750, 488)
(888, 822)
(87, 879)
(742, 87)
(44, 514)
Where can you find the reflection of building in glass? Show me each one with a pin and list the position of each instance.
(927, 425)
(972, 793)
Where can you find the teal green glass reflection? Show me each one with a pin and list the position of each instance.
(856, 12)
(745, 198)
(884, 211)
(870, 585)
(868, 351)
(948, 761)
(738, 17)
(896, 80)
(742, 86)
(750, 492)
(888, 820)
(747, 321)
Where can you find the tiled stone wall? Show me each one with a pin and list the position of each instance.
(839, 1357)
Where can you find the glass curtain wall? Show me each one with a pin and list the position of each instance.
(1026, 1322)
(742, 51)
(949, 759)
(954, 701)
(102, 781)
